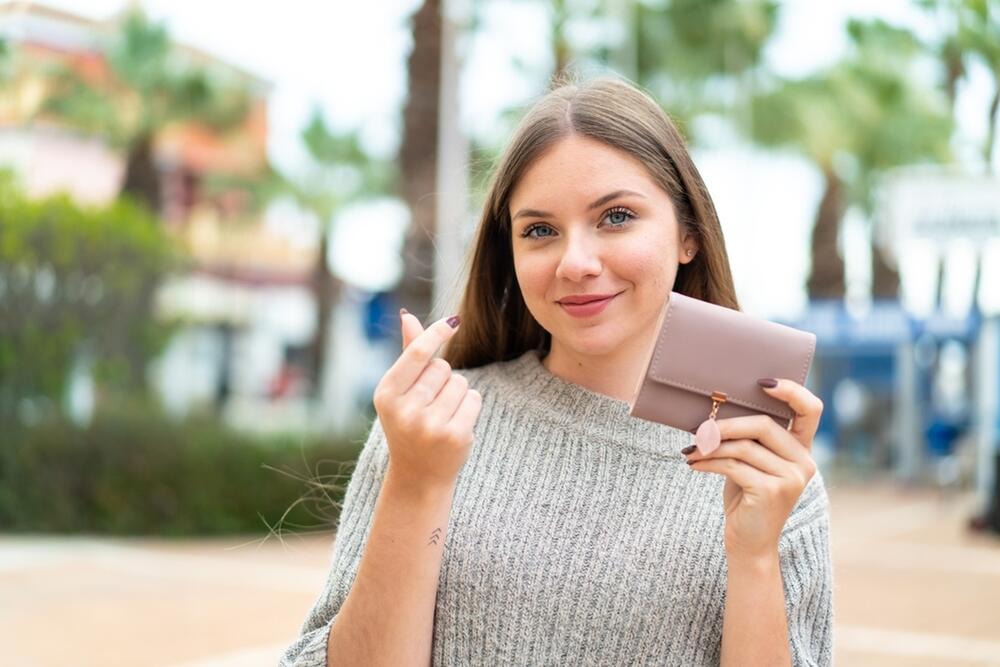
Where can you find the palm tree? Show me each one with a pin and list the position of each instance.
(700, 56)
(854, 120)
(342, 173)
(972, 33)
(145, 91)
(418, 159)
(561, 49)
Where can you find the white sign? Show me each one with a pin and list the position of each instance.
(939, 206)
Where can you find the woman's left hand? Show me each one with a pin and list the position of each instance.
(766, 468)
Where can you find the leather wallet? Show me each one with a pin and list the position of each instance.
(705, 363)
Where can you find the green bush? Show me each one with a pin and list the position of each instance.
(141, 474)
(76, 282)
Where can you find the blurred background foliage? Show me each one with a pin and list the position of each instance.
(133, 471)
(142, 92)
(78, 293)
(80, 283)
(855, 120)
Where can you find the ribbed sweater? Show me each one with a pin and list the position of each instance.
(579, 536)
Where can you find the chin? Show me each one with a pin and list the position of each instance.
(593, 342)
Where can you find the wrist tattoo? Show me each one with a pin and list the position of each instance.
(435, 536)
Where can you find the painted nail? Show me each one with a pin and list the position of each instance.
(687, 450)
(453, 321)
(768, 382)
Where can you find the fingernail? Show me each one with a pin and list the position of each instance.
(687, 450)
(453, 321)
(770, 383)
(403, 311)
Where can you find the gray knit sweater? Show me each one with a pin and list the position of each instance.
(579, 536)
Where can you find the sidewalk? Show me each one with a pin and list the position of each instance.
(912, 588)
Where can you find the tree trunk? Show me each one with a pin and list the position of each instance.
(826, 279)
(325, 290)
(419, 160)
(885, 279)
(142, 180)
(991, 128)
(977, 282)
(954, 70)
(939, 267)
(224, 382)
(560, 45)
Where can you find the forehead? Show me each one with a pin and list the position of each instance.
(581, 166)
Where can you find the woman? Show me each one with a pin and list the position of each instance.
(507, 509)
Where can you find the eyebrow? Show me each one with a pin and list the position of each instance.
(600, 201)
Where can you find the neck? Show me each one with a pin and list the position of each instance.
(614, 374)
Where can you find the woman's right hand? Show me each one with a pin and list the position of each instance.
(427, 411)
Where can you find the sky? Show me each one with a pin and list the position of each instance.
(349, 58)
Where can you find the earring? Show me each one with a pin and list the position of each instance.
(689, 253)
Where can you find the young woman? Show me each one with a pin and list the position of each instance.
(507, 509)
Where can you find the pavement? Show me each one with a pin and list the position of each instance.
(913, 587)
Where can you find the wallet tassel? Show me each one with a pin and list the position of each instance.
(707, 439)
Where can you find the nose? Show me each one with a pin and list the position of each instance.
(580, 258)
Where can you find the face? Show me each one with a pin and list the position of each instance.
(589, 221)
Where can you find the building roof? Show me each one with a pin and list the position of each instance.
(23, 21)
(48, 35)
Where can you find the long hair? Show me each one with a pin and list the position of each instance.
(496, 323)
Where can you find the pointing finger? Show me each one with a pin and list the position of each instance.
(419, 352)
(410, 326)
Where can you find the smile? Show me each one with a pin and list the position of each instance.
(588, 309)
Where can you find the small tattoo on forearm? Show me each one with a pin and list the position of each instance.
(435, 536)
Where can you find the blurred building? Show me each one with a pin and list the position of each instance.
(49, 156)
(246, 301)
(916, 390)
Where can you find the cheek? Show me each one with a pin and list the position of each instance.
(647, 265)
(533, 275)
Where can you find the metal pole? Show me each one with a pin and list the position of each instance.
(908, 440)
(987, 360)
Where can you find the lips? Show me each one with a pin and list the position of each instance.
(584, 299)
(590, 305)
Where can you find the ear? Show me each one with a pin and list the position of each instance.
(688, 249)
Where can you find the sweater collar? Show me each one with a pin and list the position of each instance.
(573, 406)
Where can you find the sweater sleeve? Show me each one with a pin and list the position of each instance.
(354, 524)
(807, 573)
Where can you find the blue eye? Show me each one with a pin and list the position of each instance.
(528, 232)
(618, 217)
